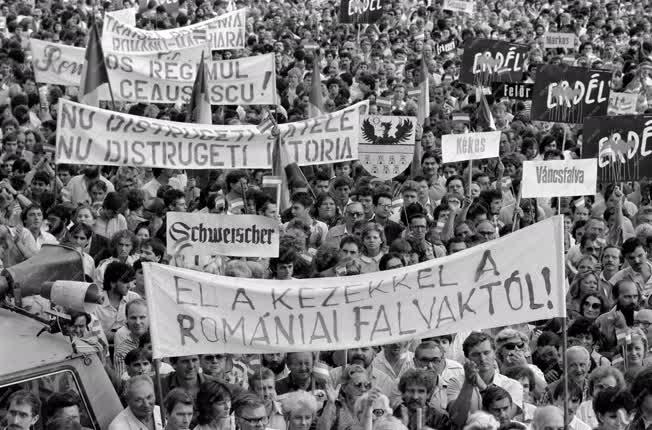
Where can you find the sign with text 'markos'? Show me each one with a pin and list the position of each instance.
(511, 280)
(89, 135)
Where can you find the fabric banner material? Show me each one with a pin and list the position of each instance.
(486, 60)
(463, 6)
(168, 78)
(559, 40)
(469, 146)
(514, 91)
(360, 11)
(570, 94)
(620, 143)
(222, 32)
(511, 280)
(560, 178)
(622, 103)
(196, 234)
(386, 144)
(89, 135)
(128, 15)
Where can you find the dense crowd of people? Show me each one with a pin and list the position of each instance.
(341, 222)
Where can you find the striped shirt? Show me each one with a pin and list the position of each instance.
(124, 342)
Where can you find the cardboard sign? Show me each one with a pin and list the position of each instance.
(386, 144)
(514, 91)
(469, 146)
(445, 47)
(620, 143)
(169, 78)
(559, 40)
(622, 103)
(89, 135)
(559, 178)
(515, 279)
(486, 60)
(192, 234)
(570, 94)
(462, 6)
(222, 32)
(360, 11)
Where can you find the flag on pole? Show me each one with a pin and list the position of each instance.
(280, 165)
(315, 102)
(199, 108)
(266, 124)
(94, 74)
(485, 117)
(423, 113)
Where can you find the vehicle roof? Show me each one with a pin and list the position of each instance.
(22, 350)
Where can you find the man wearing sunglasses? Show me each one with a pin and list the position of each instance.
(512, 349)
(416, 387)
(431, 357)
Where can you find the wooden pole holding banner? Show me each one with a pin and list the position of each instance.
(470, 175)
(564, 350)
(159, 387)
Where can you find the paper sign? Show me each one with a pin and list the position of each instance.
(622, 103)
(469, 146)
(386, 144)
(570, 94)
(222, 32)
(466, 7)
(559, 178)
(559, 40)
(191, 234)
(511, 280)
(89, 135)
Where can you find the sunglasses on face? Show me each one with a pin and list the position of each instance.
(513, 346)
(592, 305)
(362, 385)
(378, 412)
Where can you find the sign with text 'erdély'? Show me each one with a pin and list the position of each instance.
(360, 11)
(469, 146)
(559, 178)
(192, 234)
(486, 60)
(515, 279)
(89, 135)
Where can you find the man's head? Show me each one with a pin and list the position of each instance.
(138, 362)
(250, 413)
(361, 356)
(352, 213)
(186, 367)
(119, 278)
(579, 363)
(383, 205)
(140, 396)
(430, 356)
(263, 382)
(237, 181)
(300, 364)
(365, 197)
(574, 398)
(213, 364)
(416, 387)
(635, 253)
(179, 408)
(33, 218)
(498, 402)
(479, 348)
(23, 410)
(418, 226)
(643, 320)
(430, 163)
(152, 250)
(301, 204)
(626, 294)
(137, 318)
(274, 361)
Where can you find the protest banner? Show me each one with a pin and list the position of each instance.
(620, 145)
(570, 94)
(462, 6)
(511, 280)
(445, 47)
(89, 135)
(514, 91)
(469, 146)
(222, 32)
(622, 103)
(559, 178)
(559, 40)
(386, 144)
(128, 15)
(486, 60)
(193, 234)
(169, 78)
(360, 11)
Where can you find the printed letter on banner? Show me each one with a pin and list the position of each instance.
(470, 146)
(222, 32)
(515, 279)
(197, 234)
(560, 178)
(89, 135)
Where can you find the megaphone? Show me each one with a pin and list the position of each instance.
(44, 273)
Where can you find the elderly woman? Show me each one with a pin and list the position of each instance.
(513, 349)
(600, 379)
(300, 410)
(339, 411)
(373, 410)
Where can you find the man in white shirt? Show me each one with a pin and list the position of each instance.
(141, 412)
(33, 221)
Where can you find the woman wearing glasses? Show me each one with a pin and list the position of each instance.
(214, 407)
(373, 408)
(583, 284)
(339, 411)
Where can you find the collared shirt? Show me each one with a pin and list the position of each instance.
(45, 237)
(124, 342)
(382, 364)
(76, 191)
(439, 398)
(644, 287)
(378, 379)
(126, 420)
(578, 424)
(110, 317)
(514, 388)
(370, 264)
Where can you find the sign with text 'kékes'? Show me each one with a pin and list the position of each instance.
(469, 146)
(559, 178)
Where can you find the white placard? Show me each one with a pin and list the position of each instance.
(559, 40)
(622, 103)
(560, 178)
(463, 6)
(470, 146)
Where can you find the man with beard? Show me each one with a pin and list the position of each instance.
(141, 410)
(621, 317)
(276, 363)
(301, 376)
(365, 357)
(58, 217)
(76, 191)
(611, 261)
(639, 270)
(416, 387)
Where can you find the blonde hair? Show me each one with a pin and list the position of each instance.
(299, 401)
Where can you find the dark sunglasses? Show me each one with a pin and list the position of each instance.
(593, 305)
(363, 385)
(513, 346)
(378, 412)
